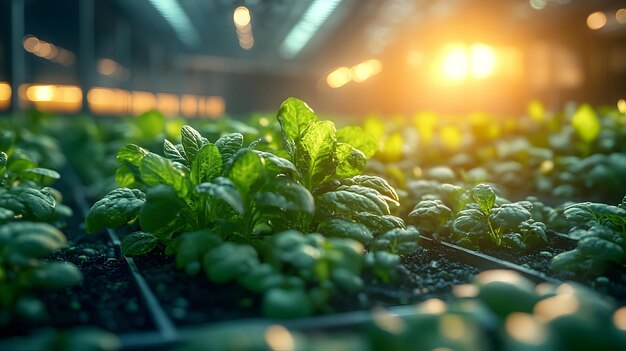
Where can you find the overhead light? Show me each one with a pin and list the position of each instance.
(339, 77)
(47, 50)
(313, 18)
(620, 16)
(5, 95)
(596, 20)
(178, 19)
(241, 17)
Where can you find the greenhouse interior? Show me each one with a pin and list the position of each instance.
(439, 175)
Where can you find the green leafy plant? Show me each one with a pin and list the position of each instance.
(483, 221)
(239, 214)
(601, 233)
(23, 273)
(199, 185)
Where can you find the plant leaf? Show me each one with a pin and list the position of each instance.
(132, 154)
(138, 243)
(343, 228)
(160, 209)
(228, 145)
(223, 188)
(192, 142)
(317, 150)
(117, 208)
(21, 241)
(294, 116)
(586, 123)
(170, 151)
(350, 160)
(53, 275)
(30, 203)
(246, 172)
(207, 164)
(287, 195)
(346, 201)
(277, 164)
(358, 138)
(157, 170)
(43, 172)
(484, 197)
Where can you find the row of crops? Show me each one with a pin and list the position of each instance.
(428, 232)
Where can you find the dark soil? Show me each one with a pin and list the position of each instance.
(107, 297)
(538, 259)
(612, 284)
(194, 300)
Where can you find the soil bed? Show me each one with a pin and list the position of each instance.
(194, 300)
(107, 297)
(612, 284)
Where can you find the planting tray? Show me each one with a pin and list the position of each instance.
(430, 272)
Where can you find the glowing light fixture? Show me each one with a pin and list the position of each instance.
(241, 16)
(47, 50)
(107, 67)
(455, 65)
(460, 61)
(339, 77)
(178, 20)
(365, 70)
(596, 20)
(483, 61)
(5, 95)
(312, 19)
(53, 98)
(620, 16)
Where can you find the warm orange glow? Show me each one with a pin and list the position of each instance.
(43, 50)
(107, 101)
(433, 306)
(415, 58)
(30, 43)
(339, 77)
(460, 61)
(596, 20)
(54, 98)
(189, 105)
(47, 50)
(619, 318)
(556, 306)
(279, 338)
(526, 329)
(107, 67)
(246, 42)
(168, 104)
(621, 105)
(5, 95)
(365, 70)
(483, 60)
(241, 16)
(387, 321)
(620, 16)
(455, 64)
(215, 106)
(142, 101)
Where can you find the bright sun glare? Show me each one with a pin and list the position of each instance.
(460, 61)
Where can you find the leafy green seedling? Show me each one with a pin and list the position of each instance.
(23, 273)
